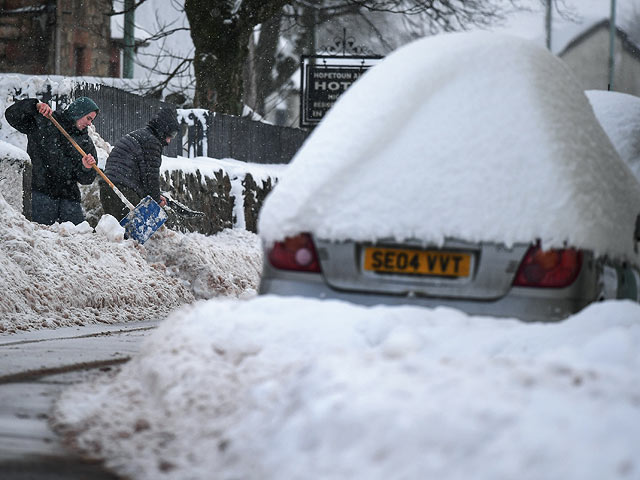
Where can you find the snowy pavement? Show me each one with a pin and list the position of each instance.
(36, 352)
(36, 367)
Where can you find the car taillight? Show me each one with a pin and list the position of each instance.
(295, 253)
(548, 268)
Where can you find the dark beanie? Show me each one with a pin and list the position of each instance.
(165, 122)
(80, 107)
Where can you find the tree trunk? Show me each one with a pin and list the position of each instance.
(220, 48)
(220, 32)
(249, 80)
(265, 61)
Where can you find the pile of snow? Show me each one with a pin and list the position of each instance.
(619, 115)
(226, 264)
(63, 275)
(273, 388)
(54, 279)
(489, 139)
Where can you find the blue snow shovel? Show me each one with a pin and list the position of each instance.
(143, 220)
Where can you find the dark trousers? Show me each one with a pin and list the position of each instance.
(49, 210)
(111, 203)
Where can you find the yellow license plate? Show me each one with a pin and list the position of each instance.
(418, 262)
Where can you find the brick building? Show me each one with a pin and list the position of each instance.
(61, 37)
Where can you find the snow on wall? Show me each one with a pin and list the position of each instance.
(234, 169)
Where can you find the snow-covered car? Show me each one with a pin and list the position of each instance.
(465, 170)
(619, 115)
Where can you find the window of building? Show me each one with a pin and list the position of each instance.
(80, 60)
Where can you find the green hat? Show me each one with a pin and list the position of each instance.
(80, 107)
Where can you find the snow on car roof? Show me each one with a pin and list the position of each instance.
(476, 136)
(619, 115)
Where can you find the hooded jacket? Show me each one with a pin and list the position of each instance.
(135, 160)
(56, 165)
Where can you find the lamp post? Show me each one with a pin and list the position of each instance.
(129, 22)
(612, 43)
(547, 24)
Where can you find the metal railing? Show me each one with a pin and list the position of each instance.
(250, 141)
(207, 134)
(120, 112)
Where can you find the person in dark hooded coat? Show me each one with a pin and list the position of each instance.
(57, 167)
(134, 164)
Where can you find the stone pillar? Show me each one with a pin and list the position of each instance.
(15, 178)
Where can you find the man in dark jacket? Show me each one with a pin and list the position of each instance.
(134, 164)
(57, 167)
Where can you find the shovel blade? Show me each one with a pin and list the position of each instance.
(144, 220)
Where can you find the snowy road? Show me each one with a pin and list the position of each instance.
(34, 368)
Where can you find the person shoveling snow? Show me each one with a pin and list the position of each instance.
(134, 164)
(57, 167)
(142, 220)
(132, 174)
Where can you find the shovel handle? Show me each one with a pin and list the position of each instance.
(95, 167)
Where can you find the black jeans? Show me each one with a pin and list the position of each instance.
(49, 210)
(111, 203)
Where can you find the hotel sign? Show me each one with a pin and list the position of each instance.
(323, 83)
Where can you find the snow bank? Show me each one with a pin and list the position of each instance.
(226, 264)
(11, 152)
(489, 138)
(66, 275)
(273, 388)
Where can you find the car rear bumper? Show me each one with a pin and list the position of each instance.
(527, 304)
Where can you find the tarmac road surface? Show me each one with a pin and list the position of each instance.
(35, 367)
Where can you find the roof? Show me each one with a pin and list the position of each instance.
(627, 43)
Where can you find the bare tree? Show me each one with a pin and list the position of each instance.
(233, 66)
(167, 71)
(220, 31)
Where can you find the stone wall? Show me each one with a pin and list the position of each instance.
(85, 37)
(211, 195)
(214, 197)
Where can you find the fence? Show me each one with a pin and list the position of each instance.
(203, 134)
(120, 112)
(250, 141)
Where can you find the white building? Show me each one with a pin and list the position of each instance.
(586, 51)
